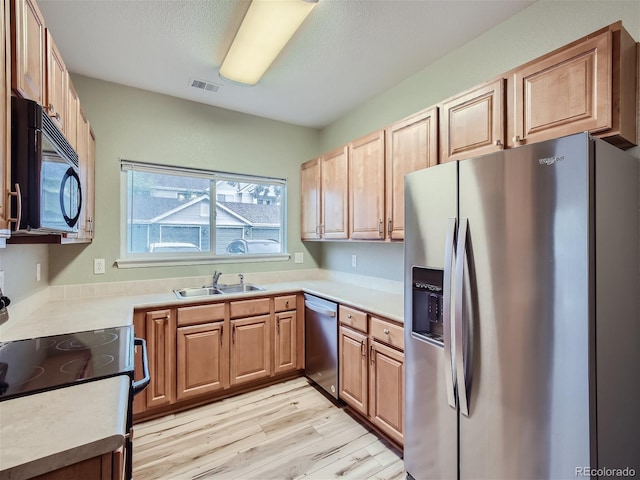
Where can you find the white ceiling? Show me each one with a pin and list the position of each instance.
(346, 52)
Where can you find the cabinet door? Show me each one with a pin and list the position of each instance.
(472, 123)
(310, 200)
(5, 128)
(56, 81)
(250, 349)
(353, 369)
(386, 377)
(334, 173)
(28, 50)
(72, 114)
(366, 187)
(161, 345)
(412, 144)
(202, 360)
(86, 176)
(285, 341)
(564, 93)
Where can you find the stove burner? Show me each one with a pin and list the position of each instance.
(87, 341)
(79, 365)
(36, 372)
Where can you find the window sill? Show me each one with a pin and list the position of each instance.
(176, 261)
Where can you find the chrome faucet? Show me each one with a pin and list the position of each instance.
(216, 277)
(241, 278)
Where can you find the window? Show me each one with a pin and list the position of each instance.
(168, 214)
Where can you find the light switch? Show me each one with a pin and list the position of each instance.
(299, 257)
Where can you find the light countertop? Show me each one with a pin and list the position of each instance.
(26, 450)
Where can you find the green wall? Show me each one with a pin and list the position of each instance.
(140, 125)
(544, 26)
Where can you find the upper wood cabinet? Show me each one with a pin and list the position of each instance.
(56, 75)
(588, 85)
(324, 184)
(472, 123)
(412, 144)
(366, 187)
(73, 105)
(28, 32)
(310, 200)
(334, 172)
(5, 125)
(86, 149)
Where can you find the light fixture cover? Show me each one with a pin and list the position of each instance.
(265, 30)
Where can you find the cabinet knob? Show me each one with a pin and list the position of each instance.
(386, 331)
(286, 304)
(349, 316)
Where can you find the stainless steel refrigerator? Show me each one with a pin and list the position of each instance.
(522, 314)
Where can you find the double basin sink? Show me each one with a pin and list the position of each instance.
(217, 290)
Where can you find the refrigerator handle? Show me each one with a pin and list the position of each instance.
(446, 312)
(461, 253)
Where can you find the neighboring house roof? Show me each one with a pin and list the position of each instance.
(255, 213)
(161, 209)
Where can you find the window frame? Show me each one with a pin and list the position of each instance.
(149, 259)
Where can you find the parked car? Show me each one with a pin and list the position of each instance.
(173, 247)
(253, 246)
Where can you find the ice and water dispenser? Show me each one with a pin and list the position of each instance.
(427, 303)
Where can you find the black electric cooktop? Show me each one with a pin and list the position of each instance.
(46, 363)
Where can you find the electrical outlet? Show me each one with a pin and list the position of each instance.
(299, 257)
(98, 266)
(38, 271)
(354, 261)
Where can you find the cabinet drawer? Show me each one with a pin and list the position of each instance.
(200, 314)
(248, 308)
(388, 333)
(354, 318)
(286, 302)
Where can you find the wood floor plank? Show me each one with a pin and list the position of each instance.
(284, 431)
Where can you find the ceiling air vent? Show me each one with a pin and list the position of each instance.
(204, 85)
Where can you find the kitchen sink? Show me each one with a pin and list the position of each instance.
(196, 292)
(239, 288)
(220, 289)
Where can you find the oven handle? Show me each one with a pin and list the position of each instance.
(140, 385)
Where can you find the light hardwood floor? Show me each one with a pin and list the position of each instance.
(284, 431)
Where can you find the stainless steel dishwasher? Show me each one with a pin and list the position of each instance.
(321, 343)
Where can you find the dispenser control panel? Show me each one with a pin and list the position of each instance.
(427, 295)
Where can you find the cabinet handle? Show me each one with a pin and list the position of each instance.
(517, 139)
(389, 225)
(317, 230)
(386, 331)
(18, 195)
(278, 324)
(371, 356)
(498, 143)
(221, 332)
(233, 334)
(380, 227)
(362, 350)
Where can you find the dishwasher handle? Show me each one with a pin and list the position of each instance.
(319, 308)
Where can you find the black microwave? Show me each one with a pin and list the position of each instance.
(44, 172)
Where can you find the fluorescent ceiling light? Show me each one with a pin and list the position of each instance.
(265, 30)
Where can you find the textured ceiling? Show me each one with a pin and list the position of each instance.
(346, 52)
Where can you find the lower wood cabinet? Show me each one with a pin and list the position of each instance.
(372, 371)
(353, 382)
(386, 389)
(202, 359)
(285, 343)
(250, 349)
(161, 344)
(102, 467)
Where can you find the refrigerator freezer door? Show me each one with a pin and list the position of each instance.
(526, 312)
(430, 430)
